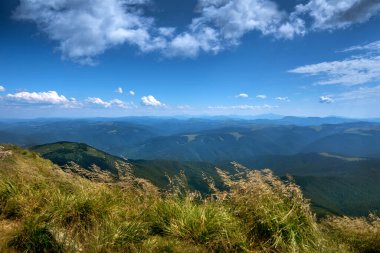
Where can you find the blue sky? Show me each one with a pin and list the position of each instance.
(69, 58)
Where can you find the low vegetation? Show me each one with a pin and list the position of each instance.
(44, 209)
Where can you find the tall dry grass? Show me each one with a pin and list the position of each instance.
(362, 234)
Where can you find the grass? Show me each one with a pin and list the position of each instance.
(361, 233)
(44, 209)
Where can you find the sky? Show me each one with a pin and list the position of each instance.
(112, 58)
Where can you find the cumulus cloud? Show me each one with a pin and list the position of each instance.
(326, 100)
(120, 90)
(108, 104)
(328, 14)
(41, 98)
(286, 99)
(242, 95)
(98, 101)
(121, 104)
(2, 88)
(87, 28)
(51, 98)
(132, 93)
(150, 101)
(222, 23)
(261, 96)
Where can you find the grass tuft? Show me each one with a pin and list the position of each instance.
(34, 237)
(362, 234)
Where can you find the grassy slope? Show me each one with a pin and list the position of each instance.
(44, 209)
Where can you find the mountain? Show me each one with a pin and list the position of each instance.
(335, 184)
(201, 139)
(240, 143)
(115, 137)
(90, 163)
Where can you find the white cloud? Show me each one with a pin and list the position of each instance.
(355, 70)
(121, 104)
(120, 90)
(235, 18)
(261, 96)
(132, 93)
(98, 101)
(2, 88)
(41, 98)
(327, 14)
(374, 46)
(85, 29)
(349, 72)
(286, 99)
(326, 100)
(227, 21)
(242, 95)
(150, 101)
(166, 31)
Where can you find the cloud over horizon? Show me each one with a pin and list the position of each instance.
(151, 101)
(41, 98)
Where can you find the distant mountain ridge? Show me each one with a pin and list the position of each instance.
(199, 139)
(239, 143)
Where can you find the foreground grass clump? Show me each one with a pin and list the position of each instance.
(362, 234)
(44, 209)
(206, 223)
(275, 215)
(34, 236)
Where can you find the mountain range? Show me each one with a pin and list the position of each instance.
(200, 139)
